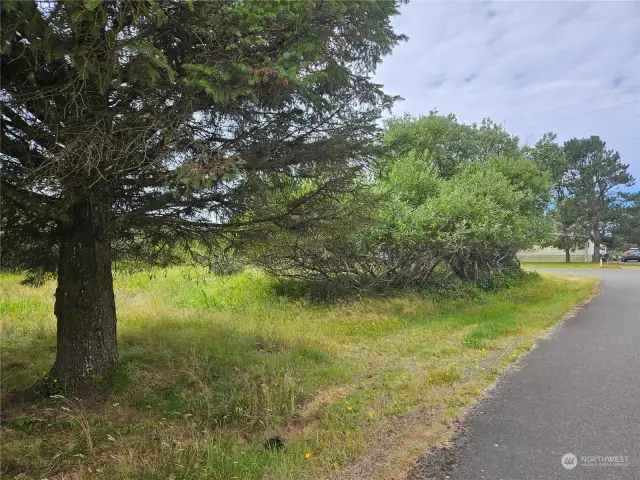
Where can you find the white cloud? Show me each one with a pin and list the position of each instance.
(519, 61)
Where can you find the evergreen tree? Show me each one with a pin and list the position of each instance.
(594, 176)
(132, 127)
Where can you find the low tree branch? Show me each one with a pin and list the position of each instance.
(32, 203)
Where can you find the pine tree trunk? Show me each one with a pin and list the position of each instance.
(85, 304)
(567, 255)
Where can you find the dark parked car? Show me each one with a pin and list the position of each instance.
(631, 254)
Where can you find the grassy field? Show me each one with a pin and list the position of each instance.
(212, 367)
(578, 265)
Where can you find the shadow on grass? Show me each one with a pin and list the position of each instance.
(440, 286)
(221, 375)
(215, 374)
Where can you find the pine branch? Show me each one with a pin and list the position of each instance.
(33, 204)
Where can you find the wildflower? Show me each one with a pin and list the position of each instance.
(370, 414)
(431, 379)
(307, 455)
(350, 408)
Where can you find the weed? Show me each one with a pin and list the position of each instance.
(444, 375)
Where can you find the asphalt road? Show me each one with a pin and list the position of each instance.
(577, 393)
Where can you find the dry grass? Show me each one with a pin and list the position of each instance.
(212, 367)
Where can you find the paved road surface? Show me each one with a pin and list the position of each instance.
(578, 392)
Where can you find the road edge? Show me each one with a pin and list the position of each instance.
(440, 460)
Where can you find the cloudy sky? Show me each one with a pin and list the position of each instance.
(568, 67)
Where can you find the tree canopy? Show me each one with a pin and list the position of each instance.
(626, 224)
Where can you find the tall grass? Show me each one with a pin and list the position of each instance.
(214, 366)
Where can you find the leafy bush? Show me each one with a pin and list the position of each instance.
(429, 207)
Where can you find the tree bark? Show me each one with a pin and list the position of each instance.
(596, 246)
(85, 304)
(567, 255)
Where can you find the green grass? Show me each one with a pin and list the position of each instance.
(213, 366)
(577, 265)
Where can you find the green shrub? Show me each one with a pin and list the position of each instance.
(448, 199)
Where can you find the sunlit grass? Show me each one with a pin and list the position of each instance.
(213, 366)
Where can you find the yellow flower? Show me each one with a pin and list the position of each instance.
(349, 408)
(371, 414)
(307, 455)
(431, 379)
